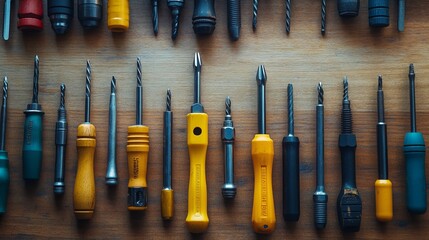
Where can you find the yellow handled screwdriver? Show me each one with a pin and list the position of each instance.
(118, 15)
(137, 151)
(84, 186)
(197, 220)
(263, 214)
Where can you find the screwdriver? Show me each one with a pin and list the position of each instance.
(60, 142)
(401, 15)
(4, 159)
(348, 8)
(383, 186)
(84, 186)
(111, 173)
(6, 19)
(30, 15)
(290, 148)
(320, 198)
(167, 193)
(415, 155)
(90, 13)
(118, 15)
(204, 17)
(60, 13)
(155, 16)
(234, 18)
(349, 203)
(378, 13)
(137, 151)
(197, 220)
(263, 213)
(33, 129)
(175, 7)
(228, 135)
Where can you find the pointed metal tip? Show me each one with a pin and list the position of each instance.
(168, 102)
(345, 80)
(380, 82)
(113, 85)
(228, 106)
(138, 59)
(62, 87)
(290, 86)
(261, 75)
(319, 85)
(197, 60)
(411, 68)
(36, 58)
(5, 79)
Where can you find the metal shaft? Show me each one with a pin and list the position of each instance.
(6, 19)
(288, 12)
(412, 76)
(290, 110)
(261, 79)
(139, 94)
(3, 117)
(229, 189)
(197, 107)
(60, 143)
(255, 14)
(36, 80)
(168, 143)
(88, 92)
(111, 173)
(323, 23)
(381, 133)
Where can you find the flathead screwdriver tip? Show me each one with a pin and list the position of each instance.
(228, 106)
(261, 75)
(168, 102)
(197, 61)
(113, 85)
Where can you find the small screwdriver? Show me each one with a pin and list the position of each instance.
(30, 15)
(348, 8)
(415, 157)
(378, 13)
(4, 159)
(263, 213)
(6, 19)
(349, 203)
(90, 13)
(228, 135)
(111, 173)
(60, 142)
(167, 193)
(197, 220)
(175, 7)
(60, 13)
(290, 149)
(33, 128)
(137, 151)
(118, 15)
(204, 17)
(84, 186)
(383, 186)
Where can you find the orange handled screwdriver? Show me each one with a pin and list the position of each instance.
(197, 220)
(263, 214)
(118, 15)
(137, 151)
(84, 186)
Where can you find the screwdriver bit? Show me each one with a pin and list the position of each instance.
(323, 22)
(288, 12)
(155, 16)
(61, 143)
(234, 18)
(111, 173)
(175, 7)
(6, 19)
(4, 159)
(167, 193)
(255, 14)
(90, 13)
(60, 13)
(229, 189)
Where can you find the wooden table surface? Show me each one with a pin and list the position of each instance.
(304, 57)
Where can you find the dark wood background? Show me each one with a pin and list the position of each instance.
(303, 57)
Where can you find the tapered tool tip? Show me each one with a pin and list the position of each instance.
(36, 58)
(320, 93)
(168, 102)
(197, 61)
(175, 25)
(380, 82)
(346, 89)
(261, 75)
(5, 87)
(113, 85)
(228, 106)
(411, 72)
(139, 72)
(62, 95)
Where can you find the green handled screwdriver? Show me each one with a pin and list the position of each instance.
(4, 160)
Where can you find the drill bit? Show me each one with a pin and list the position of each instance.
(155, 16)
(175, 7)
(255, 14)
(323, 24)
(290, 109)
(88, 92)
(229, 189)
(261, 79)
(36, 80)
(60, 142)
(4, 159)
(3, 118)
(111, 175)
(288, 11)
(167, 197)
(139, 94)
(6, 19)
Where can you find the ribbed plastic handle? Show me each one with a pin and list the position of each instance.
(291, 197)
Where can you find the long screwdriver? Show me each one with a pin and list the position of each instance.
(118, 15)
(197, 220)
(167, 193)
(6, 19)
(348, 8)
(60, 143)
(30, 15)
(90, 13)
(415, 155)
(383, 186)
(111, 173)
(84, 186)
(61, 13)
(229, 189)
(137, 151)
(4, 159)
(32, 149)
(263, 213)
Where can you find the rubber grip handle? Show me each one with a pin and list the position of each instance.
(263, 212)
(348, 8)
(415, 154)
(32, 147)
(234, 18)
(30, 15)
(378, 13)
(84, 186)
(137, 153)
(291, 203)
(167, 204)
(204, 17)
(383, 200)
(4, 180)
(118, 15)
(90, 13)
(197, 219)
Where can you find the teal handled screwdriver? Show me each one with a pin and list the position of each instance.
(415, 153)
(4, 159)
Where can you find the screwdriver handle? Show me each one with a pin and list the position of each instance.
(383, 200)
(30, 15)
(118, 15)
(137, 151)
(84, 187)
(263, 213)
(348, 8)
(32, 153)
(197, 220)
(90, 13)
(234, 18)
(204, 17)
(4, 180)
(291, 203)
(415, 153)
(378, 13)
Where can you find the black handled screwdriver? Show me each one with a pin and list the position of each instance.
(378, 13)
(348, 8)
(111, 173)
(175, 7)
(204, 17)
(291, 204)
(228, 135)
(234, 18)
(90, 13)
(60, 143)
(4, 159)
(60, 13)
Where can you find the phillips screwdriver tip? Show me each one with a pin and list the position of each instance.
(261, 75)
(113, 85)
(168, 102)
(320, 93)
(197, 61)
(228, 106)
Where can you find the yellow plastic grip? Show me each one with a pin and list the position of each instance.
(197, 220)
(84, 186)
(383, 200)
(263, 214)
(118, 15)
(137, 151)
(167, 204)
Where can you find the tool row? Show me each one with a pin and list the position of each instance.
(349, 204)
(60, 13)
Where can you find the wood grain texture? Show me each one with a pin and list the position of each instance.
(303, 57)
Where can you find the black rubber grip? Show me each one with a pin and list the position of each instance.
(348, 8)
(378, 13)
(137, 197)
(291, 205)
(204, 17)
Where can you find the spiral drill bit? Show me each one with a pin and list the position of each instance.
(60, 142)
(155, 16)
(323, 24)
(288, 16)
(175, 7)
(88, 92)
(111, 173)
(139, 94)
(255, 14)
(229, 189)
